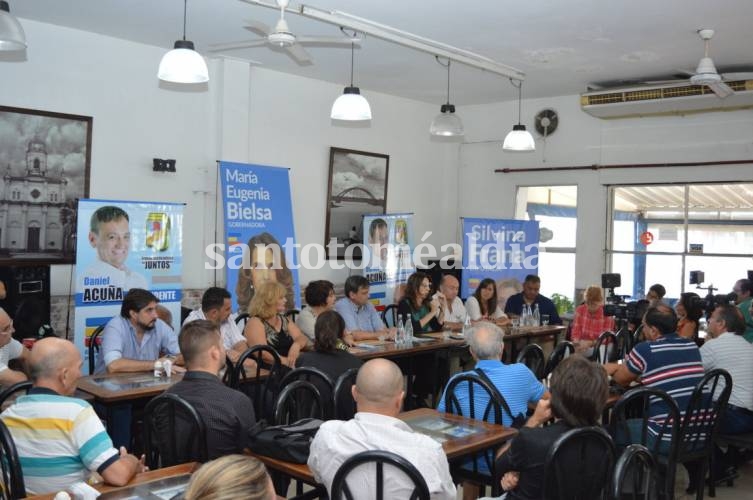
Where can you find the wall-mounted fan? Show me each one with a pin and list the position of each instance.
(282, 38)
(546, 122)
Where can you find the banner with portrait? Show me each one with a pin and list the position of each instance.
(124, 245)
(387, 254)
(259, 232)
(505, 250)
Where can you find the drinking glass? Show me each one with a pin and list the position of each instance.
(544, 319)
(515, 325)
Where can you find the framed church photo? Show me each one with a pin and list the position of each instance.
(45, 159)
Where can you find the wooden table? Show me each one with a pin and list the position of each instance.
(140, 485)
(481, 435)
(112, 388)
(529, 333)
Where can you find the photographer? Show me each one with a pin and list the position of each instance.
(589, 321)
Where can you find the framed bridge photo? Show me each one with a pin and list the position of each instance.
(357, 186)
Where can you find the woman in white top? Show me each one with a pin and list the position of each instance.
(320, 297)
(482, 305)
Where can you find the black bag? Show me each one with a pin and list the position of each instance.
(290, 442)
(518, 420)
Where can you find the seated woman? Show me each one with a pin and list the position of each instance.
(269, 326)
(232, 476)
(320, 297)
(483, 306)
(589, 321)
(426, 315)
(689, 311)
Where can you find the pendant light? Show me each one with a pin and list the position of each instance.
(12, 36)
(447, 123)
(519, 139)
(351, 105)
(183, 64)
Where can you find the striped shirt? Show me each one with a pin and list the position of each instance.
(59, 440)
(735, 354)
(672, 364)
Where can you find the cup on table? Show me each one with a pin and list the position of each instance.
(515, 324)
(381, 336)
(544, 319)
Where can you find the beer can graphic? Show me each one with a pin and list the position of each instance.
(158, 231)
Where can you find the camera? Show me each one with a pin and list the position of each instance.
(632, 312)
(696, 277)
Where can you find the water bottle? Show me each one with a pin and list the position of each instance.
(536, 316)
(400, 335)
(524, 315)
(408, 331)
(467, 324)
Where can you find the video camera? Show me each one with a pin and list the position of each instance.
(615, 305)
(711, 300)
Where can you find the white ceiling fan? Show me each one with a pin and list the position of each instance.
(705, 73)
(282, 37)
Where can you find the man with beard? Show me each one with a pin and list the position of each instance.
(227, 413)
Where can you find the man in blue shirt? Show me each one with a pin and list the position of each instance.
(530, 296)
(362, 321)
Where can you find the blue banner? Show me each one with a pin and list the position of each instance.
(258, 218)
(124, 245)
(504, 250)
(388, 255)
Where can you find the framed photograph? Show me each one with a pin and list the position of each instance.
(357, 186)
(45, 159)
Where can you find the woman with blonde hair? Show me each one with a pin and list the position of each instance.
(268, 324)
(231, 477)
(589, 321)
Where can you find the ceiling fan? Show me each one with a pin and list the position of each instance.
(281, 37)
(705, 73)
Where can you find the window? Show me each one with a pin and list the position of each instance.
(555, 208)
(661, 232)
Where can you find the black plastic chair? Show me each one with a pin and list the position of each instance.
(227, 377)
(321, 380)
(389, 315)
(174, 432)
(241, 320)
(341, 490)
(299, 399)
(345, 405)
(638, 335)
(635, 475)
(606, 355)
(492, 412)
(569, 466)
(563, 350)
(13, 390)
(532, 356)
(94, 347)
(12, 475)
(292, 314)
(264, 390)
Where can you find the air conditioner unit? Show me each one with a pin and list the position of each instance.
(666, 99)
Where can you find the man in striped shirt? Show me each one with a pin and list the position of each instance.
(60, 439)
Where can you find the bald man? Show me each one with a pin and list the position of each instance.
(454, 310)
(379, 398)
(53, 457)
(10, 348)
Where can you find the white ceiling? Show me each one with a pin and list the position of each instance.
(562, 45)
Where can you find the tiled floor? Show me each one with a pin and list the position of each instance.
(742, 490)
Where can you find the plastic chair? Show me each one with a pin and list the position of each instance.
(345, 405)
(292, 314)
(12, 390)
(636, 469)
(227, 377)
(12, 486)
(563, 350)
(94, 347)
(638, 335)
(241, 320)
(533, 357)
(389, 315)
(569, 466)
(299, 399)
(321, 381)
(264, 390)
(604, 356)
(341, 490)
(174, 432)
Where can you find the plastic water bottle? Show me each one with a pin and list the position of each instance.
(408, 331)
(467, 324)
(400, 335)
(524, 315)
(536, 316)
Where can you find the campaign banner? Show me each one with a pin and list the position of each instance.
(124, 245)
(387, 254)
(259, 231)
(505, 250)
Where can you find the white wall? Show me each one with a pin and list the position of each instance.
(584, 140)
(246, 114)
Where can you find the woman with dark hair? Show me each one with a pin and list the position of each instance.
(330, 353)
(483, 306)
(689, 311)
(261, 267)
(320, 297)
(425, 312)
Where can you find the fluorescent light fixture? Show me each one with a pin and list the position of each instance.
(519, 139)
(183, 64)
(12, 36)
(447, 123)
(351, 105)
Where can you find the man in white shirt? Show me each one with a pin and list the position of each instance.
(216, 306)
(379, 397)
(10, 348)
(454, 310)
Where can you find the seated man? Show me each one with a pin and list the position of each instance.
(10, 348)
(59, 438)
(530, 296)
(454, 310)
(379, 397)
(216, 306)
(362, 321)
(227, 413)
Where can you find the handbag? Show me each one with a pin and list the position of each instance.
(289, 442)
(518, 420)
